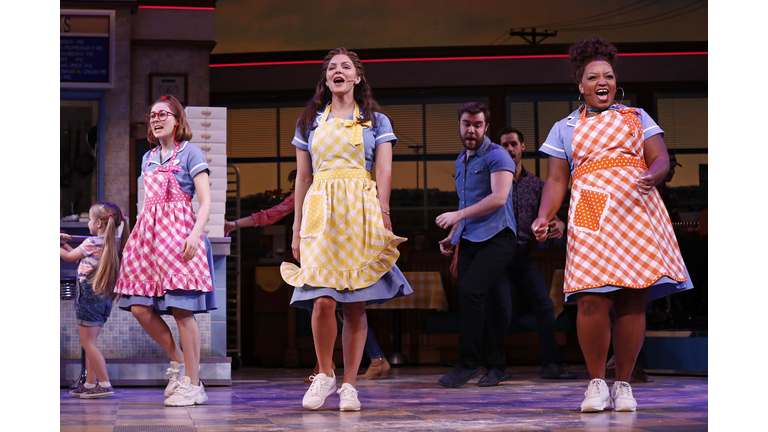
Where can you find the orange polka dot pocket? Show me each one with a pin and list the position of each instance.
(590, 209)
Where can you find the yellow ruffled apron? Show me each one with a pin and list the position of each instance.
(344, 244)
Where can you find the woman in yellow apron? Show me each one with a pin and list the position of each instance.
(621, 249)
(342, 233)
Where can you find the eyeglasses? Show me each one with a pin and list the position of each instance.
(161, 115)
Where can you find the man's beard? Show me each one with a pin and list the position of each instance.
(479, 139)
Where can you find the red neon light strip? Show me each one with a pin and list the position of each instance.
(444, 59)
(177, 7)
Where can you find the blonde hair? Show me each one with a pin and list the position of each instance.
(104, 277)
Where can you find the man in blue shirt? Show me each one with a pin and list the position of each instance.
(523, 271)
(485, 223)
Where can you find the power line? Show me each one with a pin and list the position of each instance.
(602, 16)
(643, 21)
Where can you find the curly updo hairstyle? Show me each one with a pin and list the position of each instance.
(588, 50)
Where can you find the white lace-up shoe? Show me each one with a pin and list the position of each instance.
(348, 398)
(175, 371)
(186, 394)
(322, 386)
(621, 397)
(596, 396)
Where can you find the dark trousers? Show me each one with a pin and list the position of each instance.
(523, 273)
(479, 268)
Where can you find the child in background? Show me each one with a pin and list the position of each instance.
(97, 271)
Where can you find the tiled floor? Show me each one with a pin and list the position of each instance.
(408, 400)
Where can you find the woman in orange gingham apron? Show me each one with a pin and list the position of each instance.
(167, 262)
(342, 234)
(621, 249)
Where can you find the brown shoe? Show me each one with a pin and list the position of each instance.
(315, 372)
(378, 369)
(639, 375)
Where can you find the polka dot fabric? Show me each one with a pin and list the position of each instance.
(619, 236)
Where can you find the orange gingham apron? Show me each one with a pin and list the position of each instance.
(344, 244)
(617, 236)
(152, 263)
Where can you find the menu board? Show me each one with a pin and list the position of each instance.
(86, 49)
(84, 59)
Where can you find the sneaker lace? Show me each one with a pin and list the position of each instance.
(312, 377)
(317, 387)
(593, 390)
(347, 393)
(623, 390)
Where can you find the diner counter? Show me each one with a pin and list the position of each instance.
(133, 358)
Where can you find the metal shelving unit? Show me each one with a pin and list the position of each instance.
(234, 263)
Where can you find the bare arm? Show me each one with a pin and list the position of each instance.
(657, 160)
(203, 189)
(70, 255)
(501, 184)
(304, 179)
(552, 195)
(384, 179)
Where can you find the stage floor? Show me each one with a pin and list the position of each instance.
(408, 399)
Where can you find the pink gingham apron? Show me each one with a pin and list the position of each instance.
(152, 262)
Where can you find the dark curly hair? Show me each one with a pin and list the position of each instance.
(362, 93)
(588, 50)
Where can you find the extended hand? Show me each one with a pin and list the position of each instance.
(540, 228)
(295, 244)
(556, 229)
(446, 248)
(229, 227)
(447, 220)
(189, 248)
(644, 183)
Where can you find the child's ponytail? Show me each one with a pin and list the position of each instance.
(105, 275)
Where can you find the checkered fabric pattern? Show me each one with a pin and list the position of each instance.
(152, 263)
(618, 236)
(428, 293)
(344, 244)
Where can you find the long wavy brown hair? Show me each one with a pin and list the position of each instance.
(104, 277)
(362, 93)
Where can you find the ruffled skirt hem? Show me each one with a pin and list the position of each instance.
(351, 280)
(194, 301)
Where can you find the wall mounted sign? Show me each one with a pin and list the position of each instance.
(87, 49)
(174, 84)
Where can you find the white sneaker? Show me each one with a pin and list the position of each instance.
(186, 394)
(348, 398)
(322, 386)
(175, 371)
(621, 397)
(597, 396)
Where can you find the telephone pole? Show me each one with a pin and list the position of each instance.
(532, 34)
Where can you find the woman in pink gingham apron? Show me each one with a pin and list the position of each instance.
(167, 263)
(621, 250)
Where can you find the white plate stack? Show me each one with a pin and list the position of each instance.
(209, 133)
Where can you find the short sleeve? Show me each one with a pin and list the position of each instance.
(88, 247)
(553, 145)
(144, 160)
(500, 160)
(383, 132)
(650, 128)
(196, 162)
(298, 140)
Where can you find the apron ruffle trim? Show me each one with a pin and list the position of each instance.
(345, 279)
(158, 288)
